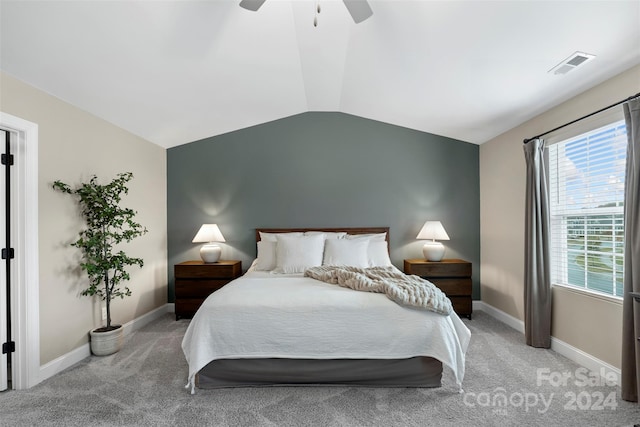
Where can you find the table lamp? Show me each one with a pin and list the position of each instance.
(209, 233)
(433, 251)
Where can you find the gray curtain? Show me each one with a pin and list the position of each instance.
(630, 308)
(537, 276)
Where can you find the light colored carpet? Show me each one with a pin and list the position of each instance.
(143, 385)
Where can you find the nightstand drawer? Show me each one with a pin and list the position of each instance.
(187, 307)
(453, 287)
(444, 268)
(220, 270)
(198, 288)
(462, 305)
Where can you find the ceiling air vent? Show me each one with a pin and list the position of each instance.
(575, 60)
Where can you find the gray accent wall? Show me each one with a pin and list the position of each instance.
(324, 169)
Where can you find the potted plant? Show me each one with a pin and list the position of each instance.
(107, 226)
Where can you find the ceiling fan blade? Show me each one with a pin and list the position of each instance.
(252, 5)
(359, 9)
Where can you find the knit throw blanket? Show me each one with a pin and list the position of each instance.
(407, 290)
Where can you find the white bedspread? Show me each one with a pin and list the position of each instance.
(280, 316)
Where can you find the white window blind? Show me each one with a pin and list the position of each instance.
(586, 192)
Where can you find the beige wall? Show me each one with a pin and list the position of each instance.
(73, 145)
(591, 324)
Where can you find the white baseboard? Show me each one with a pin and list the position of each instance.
(567, 350)
(585, 359)
(63, 362)
(147, 318)
(500, 315)
(74, 356)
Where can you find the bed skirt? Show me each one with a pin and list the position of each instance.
(412, 372)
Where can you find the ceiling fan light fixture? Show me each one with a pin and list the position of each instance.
(358, 9)
(252, 5)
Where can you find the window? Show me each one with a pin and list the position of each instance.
(586, 195)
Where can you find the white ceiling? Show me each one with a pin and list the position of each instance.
(177, 71)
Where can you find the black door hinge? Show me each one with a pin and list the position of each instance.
(9, 347)
(8, 253)
(7, 159)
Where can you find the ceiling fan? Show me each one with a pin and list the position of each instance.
(358, 9)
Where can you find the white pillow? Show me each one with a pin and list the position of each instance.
(266, 259)
(271, 237)
(327, 234)
(378, 254)
(379, 237)
(345, 252)
(294, 254)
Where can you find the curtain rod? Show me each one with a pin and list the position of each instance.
(583, 117)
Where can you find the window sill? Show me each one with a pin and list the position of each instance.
(591, 294)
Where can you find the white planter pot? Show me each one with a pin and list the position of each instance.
(106, 343)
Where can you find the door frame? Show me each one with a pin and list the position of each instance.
(25, 293)
(5, 135)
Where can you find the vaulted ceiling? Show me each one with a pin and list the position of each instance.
(177, 71)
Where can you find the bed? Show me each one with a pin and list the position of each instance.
(274, 326)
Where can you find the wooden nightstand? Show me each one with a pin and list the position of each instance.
(452, 276)
(195, 280)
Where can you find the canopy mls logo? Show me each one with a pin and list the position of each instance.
(572, 62)
(585, 391)
(581, 377)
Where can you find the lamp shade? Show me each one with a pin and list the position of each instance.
(432, 230)
(208, 234)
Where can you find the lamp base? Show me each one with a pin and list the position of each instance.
(210, 253)
(433, 251)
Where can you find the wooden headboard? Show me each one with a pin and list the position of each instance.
(348, 230)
